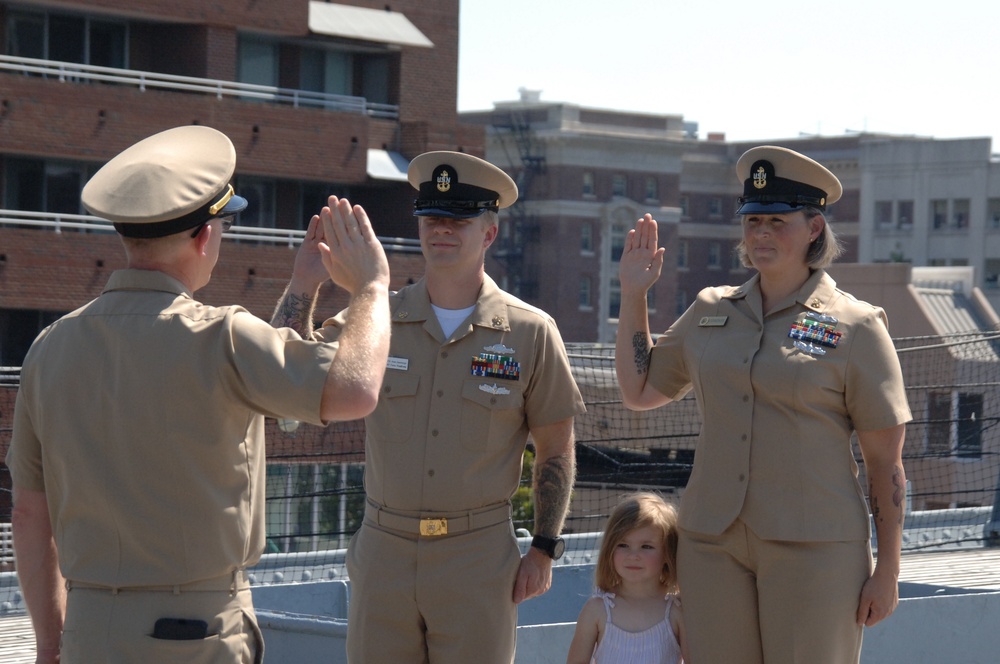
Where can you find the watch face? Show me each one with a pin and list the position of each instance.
(558, 548)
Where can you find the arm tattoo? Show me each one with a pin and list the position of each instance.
(640, 348)
(296, 312)
(553, 482)
(898, 491)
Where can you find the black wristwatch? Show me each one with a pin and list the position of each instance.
(553, 547)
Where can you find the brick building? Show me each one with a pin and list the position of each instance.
(318, 98)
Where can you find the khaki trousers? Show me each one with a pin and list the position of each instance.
(445, 600)
(115, 626)
(755, 601)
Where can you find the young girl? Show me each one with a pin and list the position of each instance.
(635, 613)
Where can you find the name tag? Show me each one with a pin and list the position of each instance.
(712, 321)
(397, 363)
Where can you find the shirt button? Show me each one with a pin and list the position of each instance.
(434, 432)
(440, 393)
(430, 473)
(743, 437)
(387, 389)
(444, 353)
(742, 477)
(745, 360)
(746, 397)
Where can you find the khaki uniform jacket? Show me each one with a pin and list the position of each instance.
(141, 417)
(443, 439)
(775, 445)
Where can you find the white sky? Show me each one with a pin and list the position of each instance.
(753, 69)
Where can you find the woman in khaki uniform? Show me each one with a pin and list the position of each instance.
(774, 557)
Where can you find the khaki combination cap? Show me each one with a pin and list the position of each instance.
(458, 185)
(778, 180)
(167, 183)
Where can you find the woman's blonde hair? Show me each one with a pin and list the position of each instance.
(638, 510)
(822, 252)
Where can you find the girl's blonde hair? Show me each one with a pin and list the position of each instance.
(638, 510)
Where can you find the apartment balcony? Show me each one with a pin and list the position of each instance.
(61, 110)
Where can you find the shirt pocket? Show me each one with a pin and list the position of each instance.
(491, 413)
(392, 420)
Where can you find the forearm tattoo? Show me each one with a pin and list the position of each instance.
(898, 497)
(296, 312)
(553, 484)
(640, 349)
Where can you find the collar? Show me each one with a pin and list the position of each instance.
(414, 305)
(816, 293)
(147, 280)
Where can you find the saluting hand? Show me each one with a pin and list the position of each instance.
(351, 254)
(642, 259)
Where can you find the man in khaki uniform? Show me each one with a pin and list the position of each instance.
(138, 451)
(435, 570)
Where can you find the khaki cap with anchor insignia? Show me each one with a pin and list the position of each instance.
(458, 185)
(167, 183)
(778, 180)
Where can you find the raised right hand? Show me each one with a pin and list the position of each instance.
(642, 259)
(352, 255)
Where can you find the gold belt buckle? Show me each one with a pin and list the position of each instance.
(433, 527)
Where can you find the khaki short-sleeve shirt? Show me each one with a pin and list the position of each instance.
(454, 414)
(775, 445)
(141, 417)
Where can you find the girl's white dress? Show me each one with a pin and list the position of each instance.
(656, 645)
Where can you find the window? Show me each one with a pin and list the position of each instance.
(883, 214)
(18, 329)
(715, 206)
(44, 186)
(969, 443)
(939, 213)
(955, 424)
(614, 298)
(684, 206)
(993, 213)
(680, 302)
(309, 506)
(682, 255)
(585, 293)
(588, 183)
(652, 190)
(619, 185)
(326, 71)
(714, 255)
(938, 423)
(260, 202)
(960, 213)
(904, 214)
(258, 62)
(618, 233)
(587, 238)
(67, 38)
(991, 273)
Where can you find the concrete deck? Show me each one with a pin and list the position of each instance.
(960, 575)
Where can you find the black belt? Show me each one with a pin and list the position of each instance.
(434, 525)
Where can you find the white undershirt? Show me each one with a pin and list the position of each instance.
(450, 319)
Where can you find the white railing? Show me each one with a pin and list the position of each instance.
(88, 223)
(6, 544)
(11, 376)
(73, 72)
